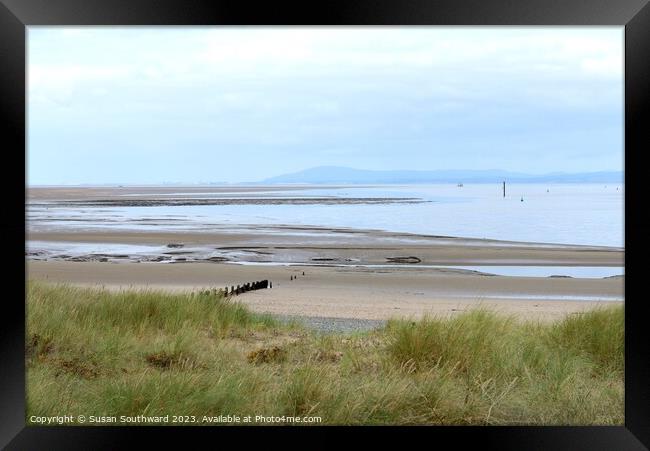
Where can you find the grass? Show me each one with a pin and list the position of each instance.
(101, 353)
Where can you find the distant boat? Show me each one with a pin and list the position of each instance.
(522, 198)
(460, 185)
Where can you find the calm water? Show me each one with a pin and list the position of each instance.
(590, 214)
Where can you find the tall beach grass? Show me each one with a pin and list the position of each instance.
(95, 352)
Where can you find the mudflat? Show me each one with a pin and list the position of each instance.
(292, 244)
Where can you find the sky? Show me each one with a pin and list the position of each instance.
(147, 105)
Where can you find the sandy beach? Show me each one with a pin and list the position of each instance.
(352, 292)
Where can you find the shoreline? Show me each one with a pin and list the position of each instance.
(351, 275)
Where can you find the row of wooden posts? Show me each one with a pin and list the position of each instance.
(239, 289)
(251, 286)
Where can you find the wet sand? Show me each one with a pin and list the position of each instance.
(359, 293)
(313, 245)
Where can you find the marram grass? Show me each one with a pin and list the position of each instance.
(102, 353)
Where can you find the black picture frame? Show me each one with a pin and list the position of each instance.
(16, 15)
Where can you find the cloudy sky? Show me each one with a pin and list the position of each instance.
(234, 104)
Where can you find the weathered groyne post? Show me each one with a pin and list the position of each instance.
(236, 290)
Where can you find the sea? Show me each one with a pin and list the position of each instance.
(583, 214)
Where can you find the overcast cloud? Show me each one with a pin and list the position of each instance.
(233, 104)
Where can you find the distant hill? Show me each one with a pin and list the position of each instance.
(335, 174)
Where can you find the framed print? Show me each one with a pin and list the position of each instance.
(351, 215)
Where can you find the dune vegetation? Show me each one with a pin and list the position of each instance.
(104, 353)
